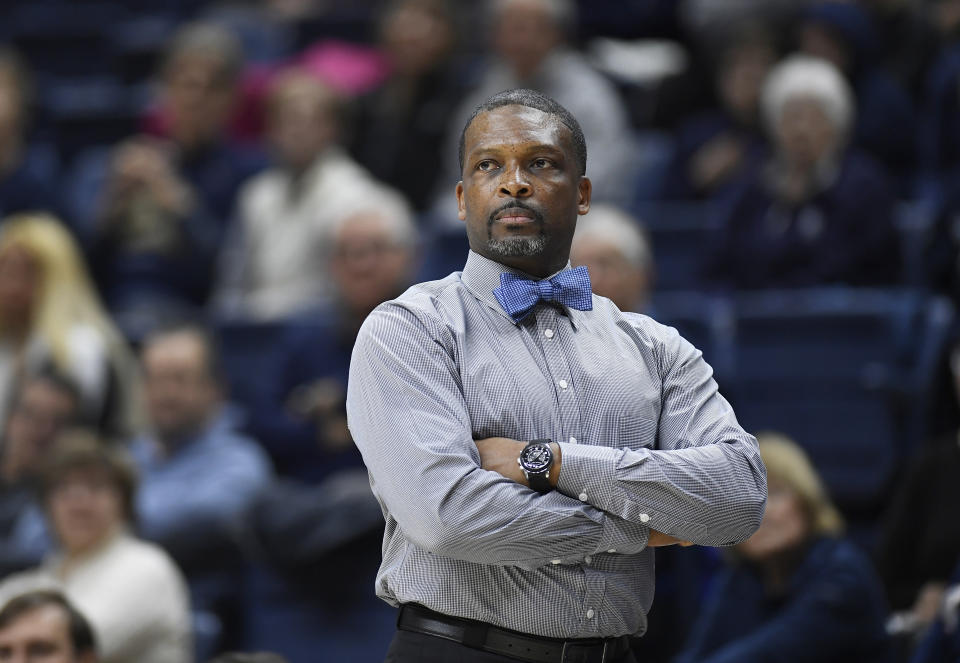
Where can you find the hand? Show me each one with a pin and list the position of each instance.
(500, 454)
(715, 161)
(146, 165)
(659, 539)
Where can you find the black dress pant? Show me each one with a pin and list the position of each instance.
(409, 647)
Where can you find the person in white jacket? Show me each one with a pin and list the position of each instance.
(130, 590)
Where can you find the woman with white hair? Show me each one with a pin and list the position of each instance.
(796, 590)
(818, 211)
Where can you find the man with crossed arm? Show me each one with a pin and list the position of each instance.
(530, 444)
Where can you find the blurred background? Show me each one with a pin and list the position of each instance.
(201, 201)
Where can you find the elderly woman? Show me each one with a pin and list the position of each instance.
(133, 595)
(794, 586)
(817, 212)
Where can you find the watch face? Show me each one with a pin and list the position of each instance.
(536, 457)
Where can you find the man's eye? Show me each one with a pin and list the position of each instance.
(541, 163)
(486, 164)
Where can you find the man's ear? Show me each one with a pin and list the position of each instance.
(461, 207)
(585, 187)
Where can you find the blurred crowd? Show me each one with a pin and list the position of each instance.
(201, 201)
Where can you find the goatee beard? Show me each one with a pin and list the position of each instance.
(515, 247)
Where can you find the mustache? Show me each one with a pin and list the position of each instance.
(516, 204)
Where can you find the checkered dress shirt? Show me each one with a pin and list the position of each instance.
(646, 442)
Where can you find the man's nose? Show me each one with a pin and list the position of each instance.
(514, 183)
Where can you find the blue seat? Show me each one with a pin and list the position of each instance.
(90, 111)
(66, 40)
(444, 251)
(681, 235)
(704, 320)
(914, 223)
(249, 353)
(838, 369)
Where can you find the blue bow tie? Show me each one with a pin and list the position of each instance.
(518, 296)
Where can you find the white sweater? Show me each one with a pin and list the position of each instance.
(131, 592)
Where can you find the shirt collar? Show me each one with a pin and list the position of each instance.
(482, 275)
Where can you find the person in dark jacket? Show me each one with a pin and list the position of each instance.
(816, 212)
(796, 590)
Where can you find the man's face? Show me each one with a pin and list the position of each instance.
(368, 265)
(612, 275)
(521, 190)
(198, 98)
(525, 34)
(39, 636)
(39, 414)
(301, 125)
(181, 393)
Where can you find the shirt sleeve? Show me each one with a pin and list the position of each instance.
(408, 416)
(703, 482)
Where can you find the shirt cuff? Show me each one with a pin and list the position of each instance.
(588, 473)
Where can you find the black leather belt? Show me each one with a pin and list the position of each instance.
(520, 646)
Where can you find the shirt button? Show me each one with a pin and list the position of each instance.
(644, 517)
(583, 498)
(554, 561)
(612, 550)
(590, 613)
(588, 559)
(548, 333)
(573, 440)
(563, 384)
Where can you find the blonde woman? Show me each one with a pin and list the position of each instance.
(795, 591)
(50, 316)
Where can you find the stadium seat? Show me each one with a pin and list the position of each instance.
(704, 320)
(246, 349)
(681, 234)
(839, 370)
(90, 111)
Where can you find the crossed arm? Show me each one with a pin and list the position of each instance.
(409, 419)
(499, 454)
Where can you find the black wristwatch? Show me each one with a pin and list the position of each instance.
(535, 460)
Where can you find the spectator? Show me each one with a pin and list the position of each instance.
(941, 643)
(529, 44)
(370, 259)
(41, 407)
(617, 253)
(133, 594)
(715, 147)
(45, 621)
(278, 268)
(198, 475)
(26, 174)
(817, 212)
(165, 203)
(916, 570)
(795, 586)
(319, 531)
(399, 127)
(50, 316)
(841, 32)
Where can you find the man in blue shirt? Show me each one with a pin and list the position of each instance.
(198, 475)
(530, 444)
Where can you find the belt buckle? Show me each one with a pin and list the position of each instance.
(603, 654)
